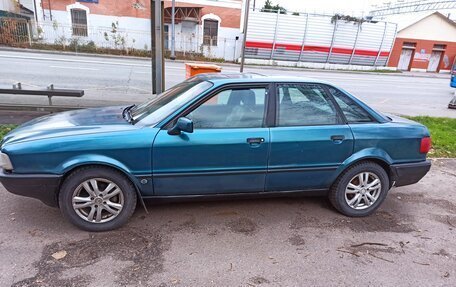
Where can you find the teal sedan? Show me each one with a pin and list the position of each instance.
(215, 136)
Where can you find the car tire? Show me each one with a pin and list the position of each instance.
(97, 198)
(360, 189)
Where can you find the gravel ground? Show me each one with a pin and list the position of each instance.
(410, 241)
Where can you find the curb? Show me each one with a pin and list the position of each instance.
(280, 68)
(108, 56)
(53, 52)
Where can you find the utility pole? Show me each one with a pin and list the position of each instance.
(246, 20)
(35, 11)
(156, 21)
(173, 34)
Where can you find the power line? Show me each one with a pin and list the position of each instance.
(401, 7)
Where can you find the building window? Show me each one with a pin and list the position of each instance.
(79, 22)
(439, 47)
(210, 32)
(409, 45)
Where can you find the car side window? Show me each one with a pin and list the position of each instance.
(231, 108)
(304, 105)
(352, 111)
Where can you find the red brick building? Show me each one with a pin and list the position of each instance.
(427, 45)
(228, 11)
(202, 26)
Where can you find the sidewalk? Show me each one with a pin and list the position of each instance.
(393, 73)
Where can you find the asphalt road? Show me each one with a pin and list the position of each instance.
(409, 241)
(109, 81)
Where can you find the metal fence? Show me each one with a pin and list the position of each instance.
(318, 38)
(81, 38)
(15, 32)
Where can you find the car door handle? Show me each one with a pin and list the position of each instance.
(337, 138)
(255, 141)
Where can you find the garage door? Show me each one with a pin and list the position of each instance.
(434, 61)
(404, 60)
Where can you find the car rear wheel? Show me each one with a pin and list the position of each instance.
(97, 198)
(360, 190)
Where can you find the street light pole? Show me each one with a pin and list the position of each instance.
(158, 76)
(246, 20)
(173, 34)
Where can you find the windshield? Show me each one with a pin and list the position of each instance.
(163, 105)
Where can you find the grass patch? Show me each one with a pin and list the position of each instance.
(443, 133)
(4, 129)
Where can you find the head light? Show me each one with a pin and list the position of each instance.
(5, 161)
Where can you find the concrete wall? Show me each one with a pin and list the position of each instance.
(8, 5)
(28, 4)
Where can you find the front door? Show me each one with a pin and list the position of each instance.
(226, 153)
(434, 61)
(404, 60)
(309, 141)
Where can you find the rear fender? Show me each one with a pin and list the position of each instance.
(365, 154)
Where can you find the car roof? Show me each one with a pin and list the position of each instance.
(227, 78)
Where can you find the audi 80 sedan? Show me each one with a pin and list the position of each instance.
(215, 135)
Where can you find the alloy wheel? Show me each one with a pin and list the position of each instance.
(363, 190)
(98, 200)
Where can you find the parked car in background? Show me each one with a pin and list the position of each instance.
(215, 135)
(452, 104)
(453, 75)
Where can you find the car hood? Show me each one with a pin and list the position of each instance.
(77, 122)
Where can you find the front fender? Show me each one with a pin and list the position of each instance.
(145, 188)
(88, 159)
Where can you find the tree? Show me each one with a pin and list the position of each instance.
(268, 7)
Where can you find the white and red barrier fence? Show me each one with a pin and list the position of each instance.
(318, 39)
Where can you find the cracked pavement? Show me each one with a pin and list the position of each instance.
(409, 241)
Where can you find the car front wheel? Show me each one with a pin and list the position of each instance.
(97, 198)
(360, 190)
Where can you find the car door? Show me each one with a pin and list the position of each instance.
(309, 140)
(227, 151)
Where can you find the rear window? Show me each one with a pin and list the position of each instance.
(352, 111)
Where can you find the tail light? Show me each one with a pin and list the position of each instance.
(425, 145)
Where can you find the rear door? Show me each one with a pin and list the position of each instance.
(309, 141)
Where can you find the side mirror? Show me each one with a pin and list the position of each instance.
(182, 125)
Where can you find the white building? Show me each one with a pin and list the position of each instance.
(211, 28)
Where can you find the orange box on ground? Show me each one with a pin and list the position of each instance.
(192, 69)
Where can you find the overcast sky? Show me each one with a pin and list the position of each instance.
(352, 7)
